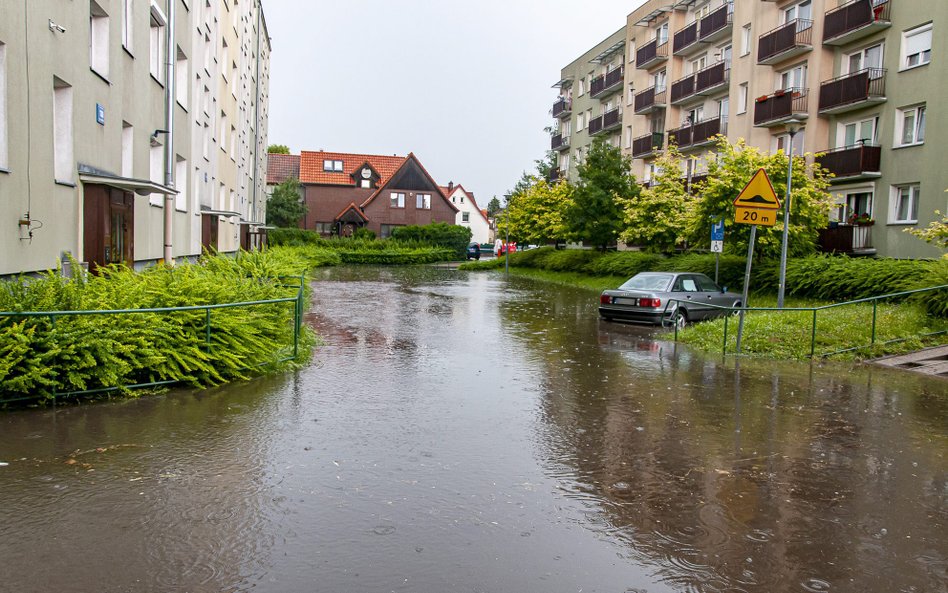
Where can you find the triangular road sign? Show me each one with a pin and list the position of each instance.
(758, 193)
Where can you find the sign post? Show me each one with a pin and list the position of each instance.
(756, 205)
(717, 244)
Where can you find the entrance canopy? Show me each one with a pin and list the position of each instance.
(142, 187)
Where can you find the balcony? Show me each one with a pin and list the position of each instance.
(785, 42)
(712, 79)
(685, 39)
(611, 120)
(649, 100)
(682, 90)
(862, 161)
(848, 239)
(717, 25)
(853, 91)
(559, 142)
(699, 134)
(647, 145)
(595, 126)
(605, 84)
(855, 20)
(556, 175)
(651, 53)
(562, 107)
(780, 107)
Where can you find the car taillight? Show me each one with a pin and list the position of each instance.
(605, 299)
(655, 303)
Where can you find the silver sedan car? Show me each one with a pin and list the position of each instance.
(666, 298)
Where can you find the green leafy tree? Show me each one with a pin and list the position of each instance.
(596, 214)
(278, 149)
(655, 218)
(286, 207)
(493, 206)
(729, 170)
(936, 233)
(538, 214)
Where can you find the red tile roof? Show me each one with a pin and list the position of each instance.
(470, 196)
(386, 178)
(311, 167)
(281, 167)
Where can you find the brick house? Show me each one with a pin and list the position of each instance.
(346, 191)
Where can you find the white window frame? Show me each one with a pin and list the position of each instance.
(181, 183)
(128, 22)
(422, 201)
(128, 150)
(4, 121)
(918, 125)
(841, 131)
(63, 132)
(799, 146)
(397, 200)
(925, 56)
(466, 217)
(98, 39)
(914, 190)
(845, 62)
(182, 75)
(332, 165)
(156, 170)
(156, 40)
(796, 71)
(742, 95)
(746, 40)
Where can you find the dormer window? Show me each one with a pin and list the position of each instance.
(331, 165)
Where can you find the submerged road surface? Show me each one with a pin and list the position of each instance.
(461, 433)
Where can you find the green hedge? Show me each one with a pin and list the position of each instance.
(410, 248)
(438, 234)
(825, 277)
(40, 357)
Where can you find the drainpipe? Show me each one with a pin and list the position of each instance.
(256, 119)
(171, 56)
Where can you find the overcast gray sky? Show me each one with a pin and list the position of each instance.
(464, 85)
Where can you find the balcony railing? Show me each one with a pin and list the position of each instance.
(611, 120)
(562, 107)
(685, 38)
(785, 41)
(853, 91)
(607, 82)
(648, 144)
(650, 99)
(847, 163)
(559, 142)
(717, 24)
(682, 89)
(595, 125)
(698, 134)
(778, 108)
(847, 238)
(651, 53)
(712, 78)
(854, 20)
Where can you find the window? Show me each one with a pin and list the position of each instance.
(661, 34)
(385, 230)
(128, 139)
(742, 98)
(324, 228)
(803, 10)
(206, 141)
(62, 131)
(181, 77)
(794, 78)
(4, 155)
(233, 79)
(181, 183)
(580, 121)
(910, 126)
(462, 199)
(699, 64)
(660, 79)
(156, 171)
(564, 162)
(746, 40)
(582, 86)
(98, 39)
(857, 132)
(631, 53)
(631, 99)
(782, 142)
(466, 217)
(332, 165)
(233, 143)
(905, 203)
(870, 57)
(724, 109)
(423, 201)
(397, 200)
(917, 47)
(127, 21)
(628, 136)
(156, 41)
(224, 129)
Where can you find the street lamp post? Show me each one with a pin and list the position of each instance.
(793, 126)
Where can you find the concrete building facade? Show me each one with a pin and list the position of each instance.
(856, 81)
(131, 131)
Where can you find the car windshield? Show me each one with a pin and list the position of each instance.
(647, 282)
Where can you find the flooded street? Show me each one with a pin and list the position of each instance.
(458, 432)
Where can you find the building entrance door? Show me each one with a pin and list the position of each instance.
(108, 226)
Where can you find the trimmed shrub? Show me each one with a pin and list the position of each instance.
(437, 234)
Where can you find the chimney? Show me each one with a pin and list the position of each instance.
(450, 185)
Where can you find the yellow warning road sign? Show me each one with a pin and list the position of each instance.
(758, 193)
(758, 216)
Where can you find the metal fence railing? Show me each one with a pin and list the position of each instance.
(297, 302)
(729, 312)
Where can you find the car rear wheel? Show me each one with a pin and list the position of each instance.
(680, 319)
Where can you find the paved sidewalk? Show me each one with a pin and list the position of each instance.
(931, 361)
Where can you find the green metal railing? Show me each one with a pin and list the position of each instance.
(298, 308)
(729, 312)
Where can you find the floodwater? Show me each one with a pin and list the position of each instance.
(459, 432)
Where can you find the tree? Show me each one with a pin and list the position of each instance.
(285, 207)
(493, 206)
(596, 213)
(537, 214)
(729, 170)
(278, 149)
(936, 233)
(655, 218)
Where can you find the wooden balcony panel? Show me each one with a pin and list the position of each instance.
(848, 239)
(562, 108)
(647, 144)
(595, 125)
(712, 78)
(597, 85)
(853, 91)
(685, 38)
(717, 25)
(855, 20)
(785, 41)
(649, 100)
(860, 161)
(682, 89)
(651, 53)
(611, 119)
(777, 109)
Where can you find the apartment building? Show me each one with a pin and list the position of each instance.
(131, 131)
(589, 102)
(852, 80)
